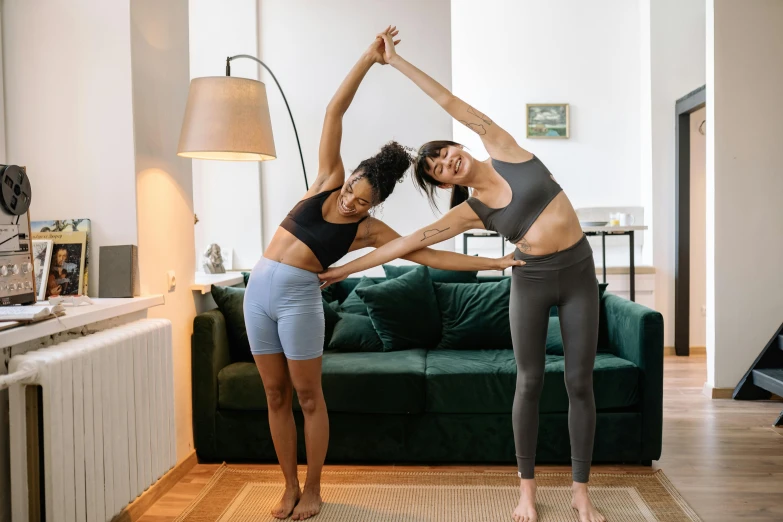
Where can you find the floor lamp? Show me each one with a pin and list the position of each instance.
(227, 118)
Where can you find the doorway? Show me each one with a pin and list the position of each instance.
(684, 108)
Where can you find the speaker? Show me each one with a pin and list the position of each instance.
(118, 271)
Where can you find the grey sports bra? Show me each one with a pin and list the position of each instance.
(532, 189)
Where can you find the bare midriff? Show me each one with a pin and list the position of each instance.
(556, 228)
(287, 249)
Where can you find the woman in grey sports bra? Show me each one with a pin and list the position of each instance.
(514, 194)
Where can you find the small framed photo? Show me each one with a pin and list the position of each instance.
(42, 255)
(548, 120)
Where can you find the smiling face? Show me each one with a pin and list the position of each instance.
(451, 166)
(356, 196)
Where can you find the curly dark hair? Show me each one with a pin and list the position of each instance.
(384, 170)
(427, 183)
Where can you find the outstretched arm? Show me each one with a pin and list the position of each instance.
(499, 143)
(457, 220)
(379, 234)
(331, 172)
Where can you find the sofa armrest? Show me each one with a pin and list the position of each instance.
(635, 333)
(209, 355)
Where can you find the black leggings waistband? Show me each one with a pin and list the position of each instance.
(572, 255)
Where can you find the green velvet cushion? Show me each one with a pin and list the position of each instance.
(404, 311)
(554, 338)
(474, 316)
(354, 304)
(355, 333)
(370, 383)
(331, 318)
(330, 314)
(240, 387)
(483, 381)
(375, 382)
(436, 274)
(230, 301)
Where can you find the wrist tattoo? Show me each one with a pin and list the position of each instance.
(433, 232)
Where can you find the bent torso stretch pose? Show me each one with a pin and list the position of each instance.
(283, 307)
(515, 195)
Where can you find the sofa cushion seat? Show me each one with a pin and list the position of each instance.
(483, 381)
(375, 382)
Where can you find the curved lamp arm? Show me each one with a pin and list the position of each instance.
(228, 73)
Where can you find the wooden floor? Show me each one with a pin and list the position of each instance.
(722, 455)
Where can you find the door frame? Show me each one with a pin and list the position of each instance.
(683, 108)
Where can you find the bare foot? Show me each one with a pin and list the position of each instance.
(526, 509)
(309, 505)
(287, 503)
(581, 503)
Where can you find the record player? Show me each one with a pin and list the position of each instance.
(17, 277)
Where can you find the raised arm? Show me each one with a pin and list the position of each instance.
(379, 233)
(457, 220)
(499, 143)
(331, 171)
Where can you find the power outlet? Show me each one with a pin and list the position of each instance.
(704, 311)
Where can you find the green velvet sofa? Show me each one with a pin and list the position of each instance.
(436, 405)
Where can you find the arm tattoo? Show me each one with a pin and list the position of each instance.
(478, 128)
(482, 117)
(475, 127)
(523, 245)
(433, 232)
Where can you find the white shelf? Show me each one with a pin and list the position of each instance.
(78, 316)
(203, 282)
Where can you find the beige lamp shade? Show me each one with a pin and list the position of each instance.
(227, 118)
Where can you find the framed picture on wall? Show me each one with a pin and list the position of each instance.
(548, 120)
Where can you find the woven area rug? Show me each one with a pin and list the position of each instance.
(239, 495)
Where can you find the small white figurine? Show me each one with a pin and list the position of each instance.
(213, 260)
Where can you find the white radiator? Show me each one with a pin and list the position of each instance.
(108, 421)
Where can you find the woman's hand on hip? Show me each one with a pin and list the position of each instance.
(508, 261)
(332, 276)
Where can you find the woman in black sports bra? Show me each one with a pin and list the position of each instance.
(515, 195)
(283, 310)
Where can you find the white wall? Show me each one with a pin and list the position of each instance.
(745, 219)
(585, 54)
(311, 47)
(677, 34)
(226, 193)
(698, 246)
(68, 118)
(159, 39)
(69, 113)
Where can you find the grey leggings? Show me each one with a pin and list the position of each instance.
(567, 280)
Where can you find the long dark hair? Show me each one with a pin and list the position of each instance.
(384, 170)
(427, 183)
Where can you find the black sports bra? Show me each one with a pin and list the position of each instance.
(328, 241)
(532, 189)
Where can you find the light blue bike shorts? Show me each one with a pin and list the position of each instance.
(284, 312)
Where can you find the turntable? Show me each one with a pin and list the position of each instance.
(17, 278)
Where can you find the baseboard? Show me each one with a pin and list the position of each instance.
(717, 393)
(694, 350)
(138, 507)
